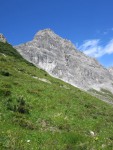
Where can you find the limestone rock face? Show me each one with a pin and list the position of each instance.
(111, 70)
(61, 59)
(2, 38)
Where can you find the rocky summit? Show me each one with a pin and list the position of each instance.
(60, 58)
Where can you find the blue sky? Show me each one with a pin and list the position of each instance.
(87, 23)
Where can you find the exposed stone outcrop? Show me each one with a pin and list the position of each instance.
(2, 38)
(61, 59)
(111, 70)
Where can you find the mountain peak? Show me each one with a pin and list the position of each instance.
(2, 38)
(48, 38)
(46, 32)
(61, 59)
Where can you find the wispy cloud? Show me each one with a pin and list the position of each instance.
(108, 31)
(105, 32)
(95, 49)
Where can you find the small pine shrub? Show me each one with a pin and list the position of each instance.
(45, 74)
(5, 73)
(22, 107)
(19, 105)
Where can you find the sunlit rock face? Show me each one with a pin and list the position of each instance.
(2, 38)
(111, 70)
(61, 59)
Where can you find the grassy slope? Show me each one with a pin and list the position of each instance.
(40, 116)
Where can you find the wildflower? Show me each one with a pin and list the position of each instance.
(28, 141)
(92, 133)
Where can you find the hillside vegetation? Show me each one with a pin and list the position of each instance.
(39, 112)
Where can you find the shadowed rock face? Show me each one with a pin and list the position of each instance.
(2, 38)
(61, 59)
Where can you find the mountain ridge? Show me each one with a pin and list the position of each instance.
(61, 59)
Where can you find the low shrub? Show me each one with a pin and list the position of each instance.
(22, 107)
(23, 122)
(19, 105)
(5, 73)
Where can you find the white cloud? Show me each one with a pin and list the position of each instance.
(95, 49)
(109, 47)
(105, 32)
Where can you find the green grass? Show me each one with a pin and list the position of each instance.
(35, 115)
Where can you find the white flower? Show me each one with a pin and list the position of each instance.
(28, 141)
(92, 133)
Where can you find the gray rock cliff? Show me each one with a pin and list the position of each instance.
(61, 59)
(111, 70)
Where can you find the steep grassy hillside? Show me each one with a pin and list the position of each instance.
(38, 112)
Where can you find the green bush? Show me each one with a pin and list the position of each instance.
(19, 105)
(22, 107)
(5, 73)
